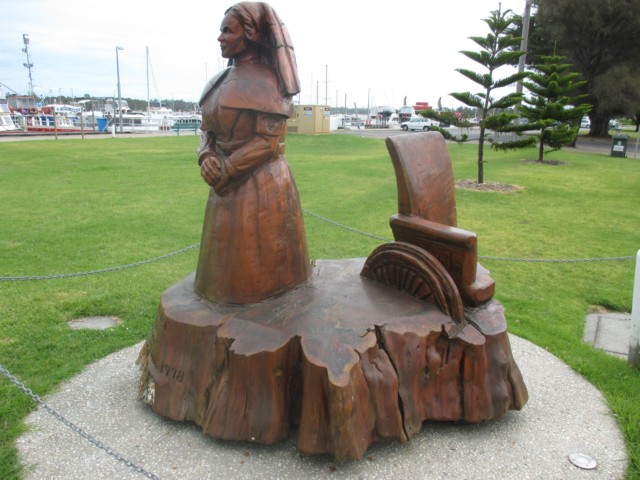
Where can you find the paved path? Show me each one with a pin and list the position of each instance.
(565, 415)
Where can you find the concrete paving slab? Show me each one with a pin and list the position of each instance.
(94, 323)
(565, 415)
(609, 331)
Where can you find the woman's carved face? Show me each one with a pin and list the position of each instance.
(232, 38)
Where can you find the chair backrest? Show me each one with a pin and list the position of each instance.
(424, 175)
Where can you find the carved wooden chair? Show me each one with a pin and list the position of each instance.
(431, 257)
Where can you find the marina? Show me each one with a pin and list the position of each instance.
(34, 114)
(26, 115)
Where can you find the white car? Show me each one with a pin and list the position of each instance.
(419, 123)
(585, 123)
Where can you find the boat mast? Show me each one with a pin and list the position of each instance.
(148, 101)
(29, 65)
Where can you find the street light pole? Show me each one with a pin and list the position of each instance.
(119, 94)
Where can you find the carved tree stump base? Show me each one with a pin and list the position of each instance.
(347, 359)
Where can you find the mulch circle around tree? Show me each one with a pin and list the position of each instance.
(546, 162)
(487, 186)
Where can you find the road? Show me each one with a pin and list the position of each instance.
(584, 143)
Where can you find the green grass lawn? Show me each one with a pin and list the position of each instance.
(78, 206)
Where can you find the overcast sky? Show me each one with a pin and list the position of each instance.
(376, 52)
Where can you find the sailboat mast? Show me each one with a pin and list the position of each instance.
(148, 101)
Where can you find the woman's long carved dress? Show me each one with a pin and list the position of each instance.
(253, 239)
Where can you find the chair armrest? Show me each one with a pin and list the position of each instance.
(431, 235)
(455, 249)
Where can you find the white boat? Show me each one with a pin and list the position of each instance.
(24, 114)
(6, 120)
(132, 121)
(135, 122)
(164, 117)
(187, 120)
(71, 111)
(67, 119)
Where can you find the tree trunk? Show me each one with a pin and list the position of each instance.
(347, 359)
(599, 127)
(481, 155)
(541, 147)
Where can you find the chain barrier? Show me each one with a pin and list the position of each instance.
(104, 270)
(319, 217)
(483, 257)
(350, 229)
(556, 260)
(87, 436)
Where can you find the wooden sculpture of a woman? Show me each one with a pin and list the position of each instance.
(253, 344)
(253, 240)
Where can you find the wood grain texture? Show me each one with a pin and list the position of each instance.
(346, 359)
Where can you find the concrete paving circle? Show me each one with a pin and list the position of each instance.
(565, 415)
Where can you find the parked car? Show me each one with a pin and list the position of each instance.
(519, 121)
(419, 123)
(585, 123)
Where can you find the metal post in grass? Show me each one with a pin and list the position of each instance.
(634, 338)
(119, 95)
